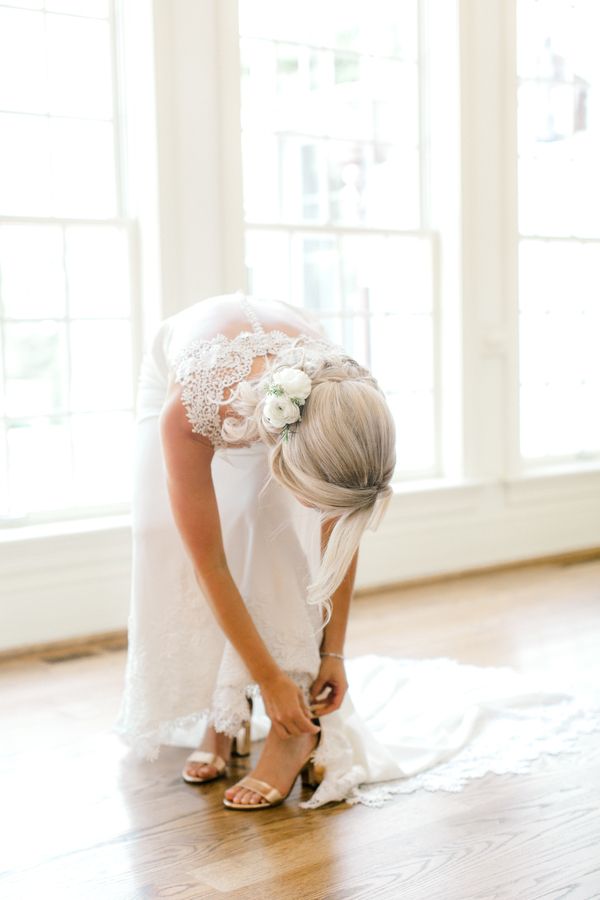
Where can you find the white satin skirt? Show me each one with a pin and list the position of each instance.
(404, 724)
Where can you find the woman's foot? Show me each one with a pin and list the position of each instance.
(214, 742)
(279, 763)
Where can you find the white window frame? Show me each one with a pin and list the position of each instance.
(124, 223)
(438, 209)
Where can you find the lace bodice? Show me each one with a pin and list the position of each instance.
(207, 368)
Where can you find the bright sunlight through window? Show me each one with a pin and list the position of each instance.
(64, 264)
(332, 164)
(559, 220)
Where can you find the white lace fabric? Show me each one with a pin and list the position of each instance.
(437, 724)
(207, 368)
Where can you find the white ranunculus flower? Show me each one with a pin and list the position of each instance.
(280, 411)
(294, 382)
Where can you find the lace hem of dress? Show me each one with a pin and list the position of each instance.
(227, 711)
(229, 707)
(500, 748)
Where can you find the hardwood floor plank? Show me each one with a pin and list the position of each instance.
(86, 819)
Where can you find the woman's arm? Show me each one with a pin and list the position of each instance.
(334, 633)
(332, 672)
(188, 459)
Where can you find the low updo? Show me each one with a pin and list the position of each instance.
(339, 458)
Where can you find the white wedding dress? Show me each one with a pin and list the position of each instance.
(404, 723)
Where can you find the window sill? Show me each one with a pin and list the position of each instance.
(554, 483)
(421, 496)
(65, 528)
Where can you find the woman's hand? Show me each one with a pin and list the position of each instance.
(285, 706)
(331, 678)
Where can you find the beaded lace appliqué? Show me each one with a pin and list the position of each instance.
(206, 368)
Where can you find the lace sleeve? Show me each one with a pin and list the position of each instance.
(206, 369)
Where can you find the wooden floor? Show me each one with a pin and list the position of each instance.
(84, 819)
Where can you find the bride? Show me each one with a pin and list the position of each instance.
(263, 452)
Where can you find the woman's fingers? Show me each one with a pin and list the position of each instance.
(333, 702)
(280, 730)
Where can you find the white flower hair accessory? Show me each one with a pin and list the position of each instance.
(285, 398)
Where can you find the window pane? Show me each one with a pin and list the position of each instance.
(363, 177)
(36, 360)
(304, 188)
(295, 180)
(401, 352)
(79, 7)
(260, 165)
(79, 67)
(82, 182)
(559, 117)
(40, 479)
(100, 365)
(22, 61)
(382, 27)
(102, 446)
(267, 261)
(97, 270)
(32, 282)
(315, 268)
(330, 139)
(559, 196)
(387, 274)
(65, 305)
(83, 168)
(288, 87)
(559, 325)
(24, 166)
(414, 418)
(334, 328)
(555, 421)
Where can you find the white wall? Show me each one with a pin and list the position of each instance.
(72, 579)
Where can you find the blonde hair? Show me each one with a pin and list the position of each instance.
(339, 458)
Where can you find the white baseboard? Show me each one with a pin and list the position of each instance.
(75, 584)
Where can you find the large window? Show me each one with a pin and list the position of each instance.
(65, 300)
(559, 221)
(333, 166)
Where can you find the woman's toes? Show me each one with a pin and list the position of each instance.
(243, 796)
(201, 771)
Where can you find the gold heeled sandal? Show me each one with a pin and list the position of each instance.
(312, 775)
(240, 746)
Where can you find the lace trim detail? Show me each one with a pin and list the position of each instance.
(505, 741)
(227, 711)
(251, 315)
(229, 707)
(499, 752)
(207, 368)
